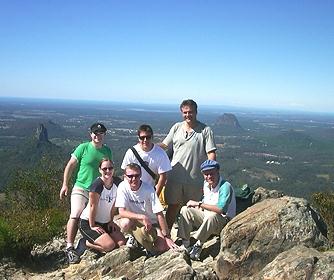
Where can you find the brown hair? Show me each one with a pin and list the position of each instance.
(133, 166)
(105, 159)
(146, 128)
(189, 102)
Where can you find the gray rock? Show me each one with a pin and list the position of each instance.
(299, 262)
(262, 194)
(256, 236)
(49, 256)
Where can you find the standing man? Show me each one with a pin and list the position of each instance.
(208, 215)
(141, 212)
(86, 159)
(192, 143)
(153, 156)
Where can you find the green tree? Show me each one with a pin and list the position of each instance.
(32, 211)
(324, 202)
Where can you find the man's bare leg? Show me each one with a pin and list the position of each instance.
(171, 213)
(71, 230)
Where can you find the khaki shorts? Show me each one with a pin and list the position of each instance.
(162, 197)
(146, 239)
(182, 193)
(79, 200)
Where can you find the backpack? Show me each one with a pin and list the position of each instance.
(243, 197)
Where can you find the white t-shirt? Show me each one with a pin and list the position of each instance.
(143, 201)
(106, 201)
(156, 159)
(222, 196)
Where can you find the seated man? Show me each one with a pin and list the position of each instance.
(141, 212)
(209, 215)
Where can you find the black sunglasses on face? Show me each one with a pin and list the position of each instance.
(107, 168)
(132, 176)
(147, 137)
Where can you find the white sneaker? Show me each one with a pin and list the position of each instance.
(183, 248)
(131, 242)
(195, 252)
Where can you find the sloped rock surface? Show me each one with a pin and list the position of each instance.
(256, 236)
(299, 262)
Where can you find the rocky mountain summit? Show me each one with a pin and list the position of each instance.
(228, 120)
(278, 237)
(42, 134)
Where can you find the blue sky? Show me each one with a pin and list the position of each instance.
(267, 54)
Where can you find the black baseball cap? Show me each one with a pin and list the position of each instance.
(98, 128)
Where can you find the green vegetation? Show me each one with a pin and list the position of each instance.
(32, 212)
(324, 202)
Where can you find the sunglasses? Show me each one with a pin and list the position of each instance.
(107, 168)
(147, 137)
(133, 176)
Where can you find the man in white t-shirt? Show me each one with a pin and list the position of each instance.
(154, 157)
(141, 212)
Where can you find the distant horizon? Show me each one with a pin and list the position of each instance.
(204, 107)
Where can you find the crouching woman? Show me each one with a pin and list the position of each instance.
(96, 221)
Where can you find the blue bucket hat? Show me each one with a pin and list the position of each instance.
(209, 164)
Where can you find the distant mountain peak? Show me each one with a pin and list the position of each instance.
(42, 133)
(228, 119)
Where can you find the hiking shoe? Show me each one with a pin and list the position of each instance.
(183, 248)
(131, 242)
(195, 252)
(72, 256)
(81, 246)
(150, 254)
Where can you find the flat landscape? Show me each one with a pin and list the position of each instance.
(288, 151)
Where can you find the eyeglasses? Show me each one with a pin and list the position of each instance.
(132, 176)
(110, 168)
(212, 173)
(147, 137)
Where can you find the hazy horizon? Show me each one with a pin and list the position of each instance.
(171, 107)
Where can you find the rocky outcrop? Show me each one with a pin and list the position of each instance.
(259, 234)
(277, 238)
(300, 262)
(228, 120)
(262, 194)
(42, 134)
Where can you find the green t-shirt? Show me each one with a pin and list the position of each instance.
(88, 158)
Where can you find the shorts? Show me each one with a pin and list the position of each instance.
(182, 193)
(90, 234)
(79, 200)
(146, 238)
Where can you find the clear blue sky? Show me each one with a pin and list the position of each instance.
(267, 54)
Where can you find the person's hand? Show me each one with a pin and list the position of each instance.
(113, 227)
(147, 223)
(63, 191)
(192, 203)
(170, 243)
(98, 229)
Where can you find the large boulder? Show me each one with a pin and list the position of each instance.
(256, 236)
(299, 262)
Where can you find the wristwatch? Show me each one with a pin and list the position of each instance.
(199, 204)
(166, 235)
